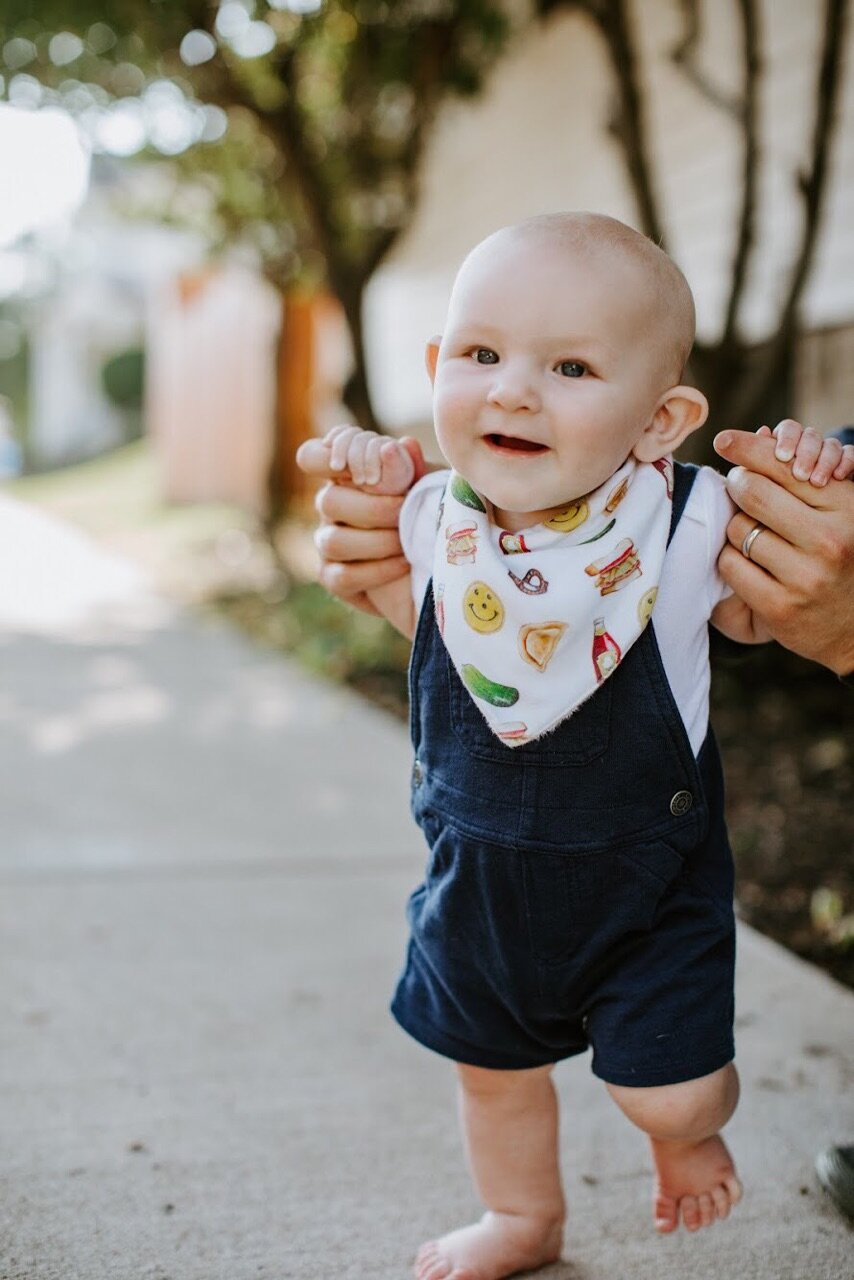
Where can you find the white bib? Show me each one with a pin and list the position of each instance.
(535, 621)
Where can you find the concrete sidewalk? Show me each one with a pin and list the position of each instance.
(203, 869)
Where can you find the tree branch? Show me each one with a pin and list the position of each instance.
(630, 122)
(812, 185)
(748, 116)
(683, 55)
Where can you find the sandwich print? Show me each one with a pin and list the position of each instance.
(617, 569)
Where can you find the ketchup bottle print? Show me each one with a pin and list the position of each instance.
(606, 651)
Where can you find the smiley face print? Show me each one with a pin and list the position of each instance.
(482, 609)
(569, 517)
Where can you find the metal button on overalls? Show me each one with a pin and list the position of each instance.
(681, 803)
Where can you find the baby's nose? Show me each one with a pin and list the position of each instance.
(513, 389)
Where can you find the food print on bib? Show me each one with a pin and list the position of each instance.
(536, 620)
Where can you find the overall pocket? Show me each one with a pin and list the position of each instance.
(588, 903)
(470, 909)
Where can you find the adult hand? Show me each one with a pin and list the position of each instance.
(799, 579)
(357, 537)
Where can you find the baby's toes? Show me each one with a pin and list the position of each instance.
(690, 1213)
(733, 1188)
(721, 1198)
(666, 1214)
(429, 1264)
(707, 1209)
(440, 1270)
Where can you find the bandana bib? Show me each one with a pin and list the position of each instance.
(535, 621)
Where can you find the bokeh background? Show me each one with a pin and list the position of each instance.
(227, 224)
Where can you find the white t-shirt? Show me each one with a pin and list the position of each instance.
(688, 591)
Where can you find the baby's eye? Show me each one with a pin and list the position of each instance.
(572, 368)
(484, 355)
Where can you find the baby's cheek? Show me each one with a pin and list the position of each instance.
(450, 416)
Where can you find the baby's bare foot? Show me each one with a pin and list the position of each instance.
(499, 1245)
(695, 1181)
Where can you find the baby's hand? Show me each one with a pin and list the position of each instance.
(375, 463)
(812, 458)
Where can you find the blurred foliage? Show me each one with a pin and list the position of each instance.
(123, 378)
(787, 741)
(308, 116)
(14, 364)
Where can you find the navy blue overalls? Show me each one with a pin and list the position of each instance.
(579, 888)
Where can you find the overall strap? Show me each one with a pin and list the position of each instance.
(684, 475)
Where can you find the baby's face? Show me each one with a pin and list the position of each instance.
(546, 377)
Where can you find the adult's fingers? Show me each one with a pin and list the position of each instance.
(788, 515)
(756, 455)
(349, 580)
(338, 542)
(313, 458)
(358, 599)
(341, 504)
(753, 584)
(769, 551)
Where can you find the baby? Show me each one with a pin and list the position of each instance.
(579, 887)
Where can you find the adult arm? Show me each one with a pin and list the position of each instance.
(799, 580)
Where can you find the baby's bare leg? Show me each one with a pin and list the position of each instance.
(695, 1175)
(510, 1125)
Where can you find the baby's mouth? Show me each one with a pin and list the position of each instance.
(514, 444)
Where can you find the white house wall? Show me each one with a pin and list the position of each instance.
(537, 140)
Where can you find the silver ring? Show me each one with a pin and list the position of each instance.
(750, 539)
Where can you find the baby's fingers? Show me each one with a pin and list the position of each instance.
(807, 455)
(787, 434)
(397, 464)
(845, 467)
(358, 453)
(340, 440)
(829, 455)
(372, 467)
(395, 468)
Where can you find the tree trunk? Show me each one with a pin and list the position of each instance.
(356, 394)
(746, 386)
(293, 418)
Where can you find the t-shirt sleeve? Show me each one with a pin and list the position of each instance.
(718, 509)
(417, 527)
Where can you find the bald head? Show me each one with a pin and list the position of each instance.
(619, 250)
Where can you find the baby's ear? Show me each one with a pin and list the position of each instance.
(680, 411)
(431, 355)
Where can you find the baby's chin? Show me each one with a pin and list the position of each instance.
(515, 520)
